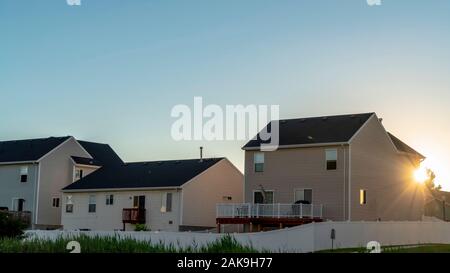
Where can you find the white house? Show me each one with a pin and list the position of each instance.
(176, 195)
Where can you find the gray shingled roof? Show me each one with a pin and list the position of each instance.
(315, 130)
(28, 149)
(172, 173)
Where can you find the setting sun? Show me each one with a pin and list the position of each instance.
(420, 175)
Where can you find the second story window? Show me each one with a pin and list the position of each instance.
(92, 204)
(24, 174)
(258, 160)
(78, 174)
(331, 159)
(109, 199)
(69, 204)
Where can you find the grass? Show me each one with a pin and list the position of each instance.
(425, 248)
(226, 244)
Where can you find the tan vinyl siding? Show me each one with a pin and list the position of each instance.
(201, 194)
(386, 175)
(56, 172)
(288, 169)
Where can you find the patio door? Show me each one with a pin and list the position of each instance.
(303, 196)
(18, 204)
(139, 201)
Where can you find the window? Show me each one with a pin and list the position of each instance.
(18, 204)
(23, 174)
(303, 196)
(362, 197)
(166, 205)
(263, 197)
(259, 162)
(331, 158)
(139, 201)
(55, 202)
(109, 199)
(78, 174)
(92, 204)
(69, 204)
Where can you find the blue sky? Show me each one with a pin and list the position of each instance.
(111, 71)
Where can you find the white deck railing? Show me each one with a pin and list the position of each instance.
(276, 210)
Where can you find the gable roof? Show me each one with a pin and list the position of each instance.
(86, 161)
(102, 153)
(315, 130)
(28, 149)
(403, 147)
(153, 174)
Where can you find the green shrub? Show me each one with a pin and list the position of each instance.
(10, 227)
(113, 244)
(141, 227)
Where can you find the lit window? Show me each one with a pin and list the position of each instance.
(362, 197)
(109, 199)
(331, 158)
(92, 204)
(166, 205)
(259, 162)
(55, 202)
(24, 174)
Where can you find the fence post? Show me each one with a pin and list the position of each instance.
(301, 210)
(257, 210)
(312, 211)
(249, 214)
(278, 210)
(217, 211)
(232, 210)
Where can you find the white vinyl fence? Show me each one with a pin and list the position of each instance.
(305, 238)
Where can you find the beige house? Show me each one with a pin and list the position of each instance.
(175, 195)
(33, 171)
(341, 168)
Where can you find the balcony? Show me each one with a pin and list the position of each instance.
(281, 215)
(133, 216)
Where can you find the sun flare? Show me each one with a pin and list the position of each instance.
(420, 175)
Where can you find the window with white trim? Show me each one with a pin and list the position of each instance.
(166, 205)
(24, 174)
(258, 159)
(78, 174)
(109, 199)
(92, 204)
(331, 159)
(55, 202)
(69, 204)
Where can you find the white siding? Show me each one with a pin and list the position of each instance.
(109, 217)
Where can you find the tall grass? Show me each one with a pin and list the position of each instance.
(226, 244)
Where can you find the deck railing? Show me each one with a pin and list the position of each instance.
(275, 210)
(133, 216)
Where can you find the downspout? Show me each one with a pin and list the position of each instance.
(349, 182)
(36, 208)
(345, 176)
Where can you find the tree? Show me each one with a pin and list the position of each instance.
(429, 182)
